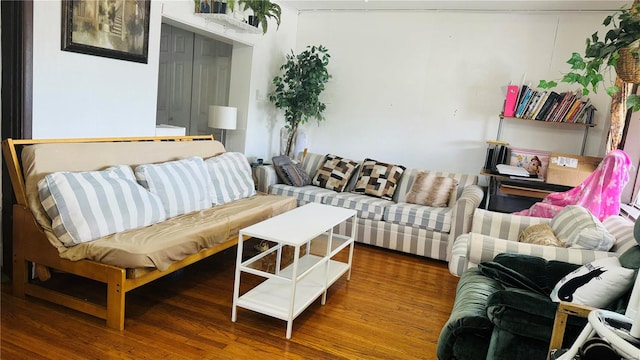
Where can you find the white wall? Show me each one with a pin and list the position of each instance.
(423, 88)
(77, 95)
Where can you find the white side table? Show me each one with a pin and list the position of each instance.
(289, 291)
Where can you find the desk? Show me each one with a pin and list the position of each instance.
(518, 187)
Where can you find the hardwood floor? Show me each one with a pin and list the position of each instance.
(393, 308)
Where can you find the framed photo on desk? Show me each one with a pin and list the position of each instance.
(534, 161)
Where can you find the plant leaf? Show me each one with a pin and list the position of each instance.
(633, 101)
(612, 90)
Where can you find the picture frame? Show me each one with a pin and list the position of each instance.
(117, 29)
(526, 158)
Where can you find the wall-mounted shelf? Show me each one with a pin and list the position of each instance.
(568, 124)
(229, 21)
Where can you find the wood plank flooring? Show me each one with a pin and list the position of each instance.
(393, 308)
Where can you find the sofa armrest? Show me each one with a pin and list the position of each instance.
(501, 225)
(468, 328)
(265, 176)
(463, 210)
(484, 248)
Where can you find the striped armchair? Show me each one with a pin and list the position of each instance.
(393, 224)
(493, 233)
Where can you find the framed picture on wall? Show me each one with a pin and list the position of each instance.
(534, 161)
(117, 29)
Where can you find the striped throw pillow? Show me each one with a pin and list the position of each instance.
(578, 228)
(182, 185)
(231, 177)
(85, 206)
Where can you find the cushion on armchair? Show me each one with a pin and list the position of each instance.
(577, 227)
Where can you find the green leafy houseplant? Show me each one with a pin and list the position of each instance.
(262, 9)
(298, 89)
(603, 54)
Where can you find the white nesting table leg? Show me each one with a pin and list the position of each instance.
(292, 300)
(236, 284)
(354, 229)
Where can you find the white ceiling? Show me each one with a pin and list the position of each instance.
(495, 5)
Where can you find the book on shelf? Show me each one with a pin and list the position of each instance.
(523, 104)
(539, 105)
(510, 101)
(547, 105)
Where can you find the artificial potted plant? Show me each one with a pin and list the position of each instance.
(262, 9)
(619, 49)
(298, 89)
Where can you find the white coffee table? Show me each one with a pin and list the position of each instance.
(287, 292)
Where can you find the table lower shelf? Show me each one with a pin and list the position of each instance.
(273, 296)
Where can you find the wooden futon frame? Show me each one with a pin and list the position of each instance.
(30, 245)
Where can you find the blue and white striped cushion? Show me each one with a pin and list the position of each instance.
(368, 207)
(427, 217)
(182, 185)
(231, 177)
(85, 206)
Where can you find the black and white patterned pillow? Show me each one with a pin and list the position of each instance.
(378, 179)
(334, 174)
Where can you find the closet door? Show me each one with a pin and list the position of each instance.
(211, 76)
(175, 77)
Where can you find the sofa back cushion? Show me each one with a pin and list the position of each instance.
(39, 160)
(231, 177)
(182, 185)
(622, 231)
(86, 206)
(311, 162)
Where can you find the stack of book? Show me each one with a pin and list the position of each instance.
(546, 105)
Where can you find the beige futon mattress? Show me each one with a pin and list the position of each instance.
(158, 245)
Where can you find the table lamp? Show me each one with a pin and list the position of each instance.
(223, 118)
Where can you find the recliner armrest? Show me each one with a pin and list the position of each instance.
(525, 313)
(468, 321)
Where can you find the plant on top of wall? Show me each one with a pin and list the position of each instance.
(620, 49)
(262, 9)
(298, 89)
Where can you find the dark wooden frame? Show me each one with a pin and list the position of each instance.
(68, 43)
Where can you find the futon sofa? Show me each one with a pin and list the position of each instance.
(390, 223)
(497, 315)
(493, 233)
(125, 211)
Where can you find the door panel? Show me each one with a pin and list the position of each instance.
(210, 80)
(194, 73)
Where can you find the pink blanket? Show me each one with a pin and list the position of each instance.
(600, 192)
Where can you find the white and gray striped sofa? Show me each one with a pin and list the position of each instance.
(493, 233)
(392, 224)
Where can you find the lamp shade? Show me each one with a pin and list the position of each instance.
(222, 117)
